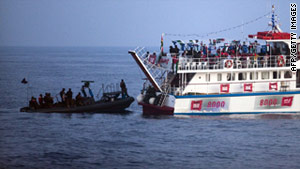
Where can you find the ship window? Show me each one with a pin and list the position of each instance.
(279, 75)
(279, 48)
(265, 75)
(219, 77)
(189, 76)
(287, 74)
(207, 77)
(253, 75)
(242, 76)
(275, 75)
(230, 76)
(285, 49)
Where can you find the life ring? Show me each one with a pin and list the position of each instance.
(280, 61)
(228, 64)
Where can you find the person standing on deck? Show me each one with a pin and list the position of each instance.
(244, 48)
(41, 100)
(62, 95)
(123, 89)
(147, 55)
(69, 97)
(176, 50)
(78, 99)
(172, 50)
(33, 104)
(174, 64)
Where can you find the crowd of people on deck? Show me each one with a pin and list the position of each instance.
(213, 51)
(66, 98)
(47, 100)
(227, 50)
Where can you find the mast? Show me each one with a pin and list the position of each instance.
(273, 19)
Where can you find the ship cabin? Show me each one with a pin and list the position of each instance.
(241, 73)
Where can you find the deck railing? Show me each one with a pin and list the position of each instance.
(159, 73)
(239, 62)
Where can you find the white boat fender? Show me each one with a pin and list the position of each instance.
(151, 100)
(140, 98)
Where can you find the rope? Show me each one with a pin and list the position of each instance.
(216, 32)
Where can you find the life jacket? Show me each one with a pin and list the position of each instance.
(41, 100)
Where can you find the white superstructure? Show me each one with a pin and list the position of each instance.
(248, 86)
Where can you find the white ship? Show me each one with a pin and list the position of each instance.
(230, 78)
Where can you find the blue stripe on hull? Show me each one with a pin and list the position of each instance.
(221, 113)
(238, 94)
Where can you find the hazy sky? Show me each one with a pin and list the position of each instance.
(129, 22)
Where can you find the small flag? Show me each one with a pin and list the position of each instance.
(162, 43)
(219, 40)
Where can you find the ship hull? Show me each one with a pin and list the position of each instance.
(149, 109)
(243, 103)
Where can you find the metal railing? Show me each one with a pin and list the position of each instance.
(242, 62)
(108, 88)
(157, 72)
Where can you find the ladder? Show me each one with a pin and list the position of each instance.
(164, 95)
(154, 73)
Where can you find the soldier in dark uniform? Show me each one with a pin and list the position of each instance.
(62, 95)
(69, 95)
(123, 89)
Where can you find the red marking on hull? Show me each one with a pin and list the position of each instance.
(149, 109)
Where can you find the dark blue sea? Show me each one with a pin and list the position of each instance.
(131, 140)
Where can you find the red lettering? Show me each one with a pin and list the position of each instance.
(261, 102)
(209, 104)
(218, 104)
(222, 104)
(214, 104)
(266, 102)
(270, 102)
(275, 102)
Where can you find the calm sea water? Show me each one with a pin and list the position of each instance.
(53, 140)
